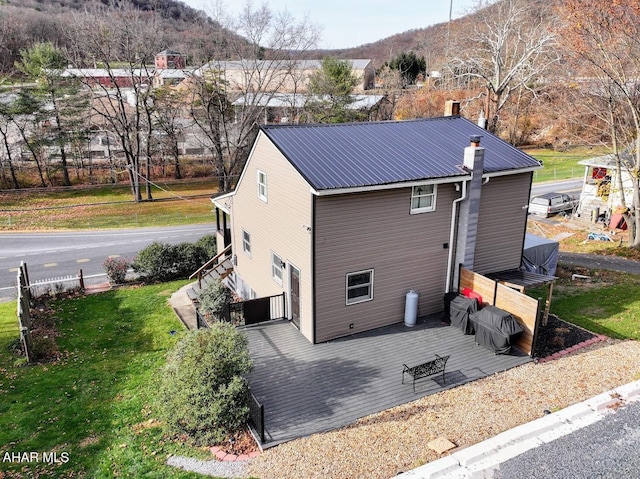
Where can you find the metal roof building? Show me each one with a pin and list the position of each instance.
(378, 154)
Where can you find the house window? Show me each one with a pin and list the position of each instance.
(359, 286)
(277, 267)
(423, 198)
(262, 185)
(246, 243)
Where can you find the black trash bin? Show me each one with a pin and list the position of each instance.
(448, 297)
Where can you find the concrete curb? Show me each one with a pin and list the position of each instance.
(471, 461)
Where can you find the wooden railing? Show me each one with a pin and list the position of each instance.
(210, 266)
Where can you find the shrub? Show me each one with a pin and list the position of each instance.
(213, 300)
(116, 269)
(154, 261)
(202, 392)
(164, 262)
(209, 246)
(187, 258)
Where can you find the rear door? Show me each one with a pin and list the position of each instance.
(294, 294)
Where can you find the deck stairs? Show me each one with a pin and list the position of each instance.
(220, 267)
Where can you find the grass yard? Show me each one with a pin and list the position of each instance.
(562, 165)
(94, 407)
(106, 207)
(608, 303)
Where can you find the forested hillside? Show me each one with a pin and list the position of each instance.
(26, 22)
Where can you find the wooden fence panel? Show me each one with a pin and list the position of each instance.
(525, 309)
(482, 285)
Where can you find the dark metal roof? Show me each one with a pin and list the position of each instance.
(351, 155)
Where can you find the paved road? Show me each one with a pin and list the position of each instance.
(570, 187)
(607, 449)
(57, 254)
(595, 261)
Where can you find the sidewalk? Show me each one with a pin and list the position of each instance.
(184, 308)
(479, 460)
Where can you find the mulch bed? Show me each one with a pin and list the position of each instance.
(558, 335)
(241, 442)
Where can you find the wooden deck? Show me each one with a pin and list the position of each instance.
(307, 388)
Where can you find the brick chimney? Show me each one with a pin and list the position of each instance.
(470, 207)
(452, 108)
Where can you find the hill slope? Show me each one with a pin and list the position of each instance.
(25, 22)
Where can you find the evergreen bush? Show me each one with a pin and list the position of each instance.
(213, 300)
(155, 261)
(202, 392)
(187, 258)
(209, 246)
(165, 262)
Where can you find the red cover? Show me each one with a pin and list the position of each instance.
(469, 293)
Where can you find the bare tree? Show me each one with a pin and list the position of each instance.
(605, 36)
(508, 45)
(124, 42)
(169, 106)
(27, 117)
(227, 107)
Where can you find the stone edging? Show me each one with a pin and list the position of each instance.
(222, 455)
(596, 339)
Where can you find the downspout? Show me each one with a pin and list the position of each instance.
(314, 299)
(454, 213)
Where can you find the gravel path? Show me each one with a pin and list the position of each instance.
(213, 467)
(385, 444)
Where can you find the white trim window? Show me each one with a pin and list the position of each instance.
(423, 198)
(359, 286)
(246, 242)
(277, 268)
(262, 185)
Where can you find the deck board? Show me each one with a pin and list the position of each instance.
(307, 388)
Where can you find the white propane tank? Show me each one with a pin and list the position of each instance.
(411, 308)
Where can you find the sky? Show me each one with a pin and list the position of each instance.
(351, 23)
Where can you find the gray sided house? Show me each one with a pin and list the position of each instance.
(346, 219)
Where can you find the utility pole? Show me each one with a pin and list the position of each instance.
(446, 53)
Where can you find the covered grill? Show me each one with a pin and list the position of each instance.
(495, 328)
(458, 309)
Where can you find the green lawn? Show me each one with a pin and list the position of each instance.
(95, 406)
(106, 207)
(562, 165)
(609, 306)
